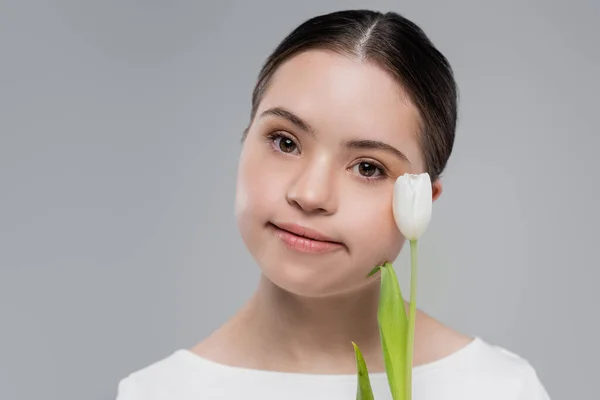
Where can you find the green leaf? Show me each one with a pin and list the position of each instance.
(374, 271)
(393, 328)
(363, 389)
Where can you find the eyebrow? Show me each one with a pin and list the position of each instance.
(352, 144)
(290, 117)
(377, 145)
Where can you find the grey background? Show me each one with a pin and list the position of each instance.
(119, 137)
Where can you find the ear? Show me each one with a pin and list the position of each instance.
(437, 189)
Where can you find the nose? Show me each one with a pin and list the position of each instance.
(313, 190)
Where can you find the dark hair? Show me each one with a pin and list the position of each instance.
(400, 47)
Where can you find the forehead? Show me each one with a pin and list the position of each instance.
(342, 95)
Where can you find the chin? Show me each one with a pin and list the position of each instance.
(313, 282)
(302, 280)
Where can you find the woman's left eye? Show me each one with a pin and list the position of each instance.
(368, 170)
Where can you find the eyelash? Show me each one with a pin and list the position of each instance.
(278, 135)
(383, 173)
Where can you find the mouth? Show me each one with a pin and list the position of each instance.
(304, 239)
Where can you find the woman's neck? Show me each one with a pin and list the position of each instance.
(280, 331)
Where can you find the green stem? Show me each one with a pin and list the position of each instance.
(412, 316)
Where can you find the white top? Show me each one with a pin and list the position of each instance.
(476, 372)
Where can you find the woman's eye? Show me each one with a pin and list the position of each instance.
(284, 144)
(368, 170)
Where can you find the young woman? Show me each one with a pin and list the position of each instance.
(346, 103)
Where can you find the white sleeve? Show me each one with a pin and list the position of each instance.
(532, 387)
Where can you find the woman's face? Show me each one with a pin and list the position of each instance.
(329, 139)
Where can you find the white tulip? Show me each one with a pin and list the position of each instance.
(412, 204)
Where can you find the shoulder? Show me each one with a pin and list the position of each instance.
(435, 341)
(478, 368)
(494, 372)
(502, 368)
(172, 374)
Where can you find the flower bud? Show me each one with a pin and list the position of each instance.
(412, 204)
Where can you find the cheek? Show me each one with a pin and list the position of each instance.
(259, 188)
(371, 219)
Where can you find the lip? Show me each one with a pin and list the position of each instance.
(304, 239)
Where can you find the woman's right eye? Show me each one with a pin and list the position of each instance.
(283, 143)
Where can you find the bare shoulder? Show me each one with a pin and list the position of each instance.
(210, 347)
(221, 346)
(435, 340)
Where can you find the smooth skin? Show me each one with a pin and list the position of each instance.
(329, 139)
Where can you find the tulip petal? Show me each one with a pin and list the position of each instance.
(412, 204)
(363, 389)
